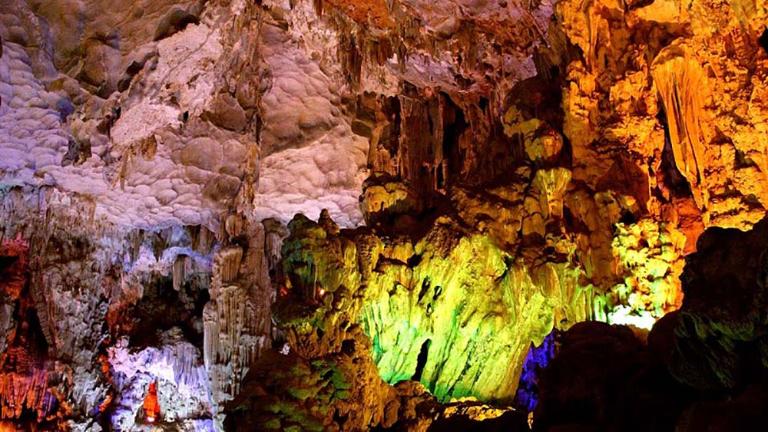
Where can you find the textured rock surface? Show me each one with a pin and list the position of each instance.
(237, 319)
(181, 379)
(669, 73)
(482, 173)
(721, 325)
(184, 134)
(87, 285)
(437, 310)
(342, 390)
(335, 391)
(702, 368)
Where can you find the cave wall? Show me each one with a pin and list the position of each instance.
(393, 191)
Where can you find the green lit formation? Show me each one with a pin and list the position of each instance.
(462, 322)
(453, 310)
(458, 308)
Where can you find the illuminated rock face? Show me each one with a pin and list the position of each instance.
(160, 386)
(681, 81)
(482, 174)
(650, 257)
(442, 320)
(97, 317)
(336, 390)
(437, 311)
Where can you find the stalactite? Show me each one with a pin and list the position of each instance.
(226, 266)
(275, 233)
(682, 84)
(179, 272)
(237, 325)
(20, 392)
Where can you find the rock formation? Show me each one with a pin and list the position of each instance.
(436, 310)
(700, 368)
(390, 215)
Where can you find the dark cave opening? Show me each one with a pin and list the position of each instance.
(628, 218)
(78, 151)
(29, 336)
(6, 266)
(440, 181)
(763, 40)
(163, 308)
(425, 284)
(454, 125)
(421, 360)
(175, 21)
(483, 104)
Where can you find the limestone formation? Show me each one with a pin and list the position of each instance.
(436, 310)
(349, 215)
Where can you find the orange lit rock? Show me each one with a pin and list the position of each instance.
(151, 406)
(367, 12)
(682, 85)
(702, 67)
(25, 392)
(684, 213)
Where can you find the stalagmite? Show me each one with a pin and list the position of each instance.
(151, 406)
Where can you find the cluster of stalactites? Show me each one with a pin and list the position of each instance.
(25, 392)
(237, 319)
